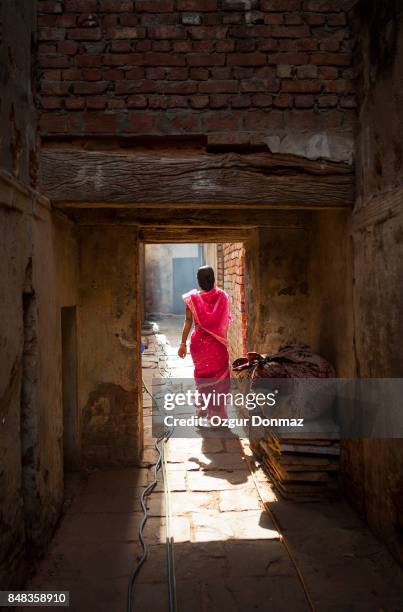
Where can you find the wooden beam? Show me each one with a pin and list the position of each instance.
(189, 179)
(185, 218)
(176, 235)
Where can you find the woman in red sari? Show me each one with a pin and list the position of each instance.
(209, 310)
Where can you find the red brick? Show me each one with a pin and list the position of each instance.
(280, 5)
(331, 59)
(223, 73)
(217, 122)
(337, 19)
(69, 47)
(83, 87)
(129, 19)
(327, 101)
(262, 100)
(88, 60)
(302, 120)
(205, 59)
(241, 101)
(80, 6)
(293, 19)
(263, 120)
(274, 19)
(84, 33)
(115, 103)
(144, 86)
(307, 72)
(116, 6)
(140, 123)
(143, 45)
(322, 6)
(156, 102)
(294, 59)
(178, 102)
(49, 6)
(260, 85)
(51, 33)
(161, 45)
(181, 87)
(330, 45)
(67, 20)
(306, 44)
(339, 86)
(120, 46)
(314, 20)
(224, 46)
(246, 59)
(72, 74)
(199, 74)
(51, 102)
(177, 74)
(135, 73)
(52, 75)
(199, 101)
(212, 87)
(218, 101)
(51, 123)
(154, 6)
(304, 101)
(289, 31)
(122, 33)
(137, 101)
(304, 86)
(328, 72)
(167, 32)
(75, 103)
(91, 74)
(197, 5)
(182, 46)
(100, 123)
(57, 88)
(96, 102)
(282, 101)
(203, 33)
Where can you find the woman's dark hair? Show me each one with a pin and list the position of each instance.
(206, 278)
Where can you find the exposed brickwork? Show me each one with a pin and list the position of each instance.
(233, 260)
(194, 66)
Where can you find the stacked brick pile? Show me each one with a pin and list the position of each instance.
(233, 259)
(218, 67)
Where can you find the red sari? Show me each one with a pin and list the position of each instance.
(209, 345)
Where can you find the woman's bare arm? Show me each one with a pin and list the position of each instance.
(187, 326)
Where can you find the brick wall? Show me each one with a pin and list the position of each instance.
(233, 258)
(234, 70)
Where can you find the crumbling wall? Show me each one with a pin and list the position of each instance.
(277, 290)
(109, 345)
(373, 468)
(264, 72)
(31, 461)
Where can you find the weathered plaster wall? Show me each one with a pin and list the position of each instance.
(109, 345)
(276, 287)
(330, 282)
(373, 468)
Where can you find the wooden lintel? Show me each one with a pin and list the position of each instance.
(188, 179)
(177, 235)
(195, 218)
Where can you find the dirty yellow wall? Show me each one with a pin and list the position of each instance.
(109, 345)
